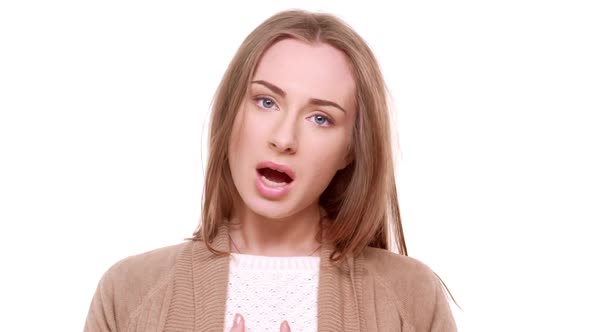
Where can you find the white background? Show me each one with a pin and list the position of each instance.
(103, 109)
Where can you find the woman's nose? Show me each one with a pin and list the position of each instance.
(284, 137)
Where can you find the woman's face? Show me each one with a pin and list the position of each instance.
(293, 130)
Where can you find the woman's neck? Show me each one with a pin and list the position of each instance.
(297, 235)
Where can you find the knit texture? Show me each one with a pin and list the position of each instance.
(267, 290)
(185, 287)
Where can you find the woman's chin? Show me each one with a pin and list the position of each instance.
(271, 209)
(275, 213)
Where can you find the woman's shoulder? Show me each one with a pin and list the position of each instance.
(139, 275)
(130, 284)
(413, 286)
(398, 269)
(148, 267)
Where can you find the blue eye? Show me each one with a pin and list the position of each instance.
(266, 102)
(321, 120)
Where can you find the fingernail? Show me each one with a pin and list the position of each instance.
(238, 319)
(285, 326)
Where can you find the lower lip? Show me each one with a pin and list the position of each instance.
(272, 192)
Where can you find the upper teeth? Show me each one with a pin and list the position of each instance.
(272, 183)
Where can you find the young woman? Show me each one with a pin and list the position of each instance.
(300, 214)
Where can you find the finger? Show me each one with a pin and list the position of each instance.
(285, 327)
(238, 325)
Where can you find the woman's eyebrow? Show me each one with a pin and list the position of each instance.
(322, 102)
(271, 86)
(313, 101)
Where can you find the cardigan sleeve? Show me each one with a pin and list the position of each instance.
(129, 287)
(442, 317)
(424, 299)
(101, 315)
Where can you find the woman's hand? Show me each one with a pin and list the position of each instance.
(240, 326)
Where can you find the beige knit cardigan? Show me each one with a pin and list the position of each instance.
(183, 288)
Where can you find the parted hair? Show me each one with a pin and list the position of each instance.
(361, 201)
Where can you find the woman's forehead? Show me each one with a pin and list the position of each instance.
(309, 70)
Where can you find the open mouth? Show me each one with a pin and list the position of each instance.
(274, 178)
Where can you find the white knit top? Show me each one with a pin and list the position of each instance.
(268, 290)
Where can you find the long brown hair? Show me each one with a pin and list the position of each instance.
(361, 200)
